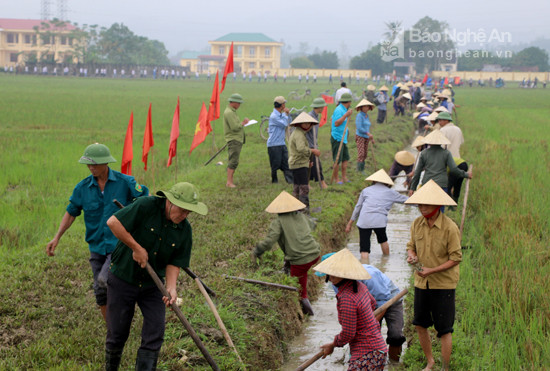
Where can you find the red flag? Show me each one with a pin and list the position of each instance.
(214, 107)
(147, 138)
(457, 80)
(128, 150)
(446, 81)
(174, 134)
(425, 79)
(202, 129)
(324, 115)
(328, 99)
(228, 67)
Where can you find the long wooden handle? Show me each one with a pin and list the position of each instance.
(262, 283)
(378, 311)
(217, 153)
(182, 318)
(373, 158)
(465, 201)
(218, 318)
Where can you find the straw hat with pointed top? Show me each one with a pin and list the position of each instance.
(430, 103)
(371, 87)
(304, 118)
(381, 177)
(383, 88)
(410, 83)
(344, 265)
(420, 105)
(416, 114)
(404, 158)
(441, 109)
(284, 203)
(447, 92)
(364, 103)
(431, 194)
(418, 141)
(436, 137)
(407, 95)
(432, 116)
(399, 85)
(404, 88)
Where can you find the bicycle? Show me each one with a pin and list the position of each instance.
(264, 125)
(297, 96)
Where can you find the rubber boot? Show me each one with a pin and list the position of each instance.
(306, 306)
(146, 360)
(286, 268)
(112, 359)
(394, 353)
(361, 167)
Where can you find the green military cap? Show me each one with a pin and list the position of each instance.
(318, 103)
(186, 196)
(346, 97)
(237, 98)
(96, 154)
(444, 116)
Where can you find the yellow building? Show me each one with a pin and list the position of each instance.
(252, 53)
(20, 41)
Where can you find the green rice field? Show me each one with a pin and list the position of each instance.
(48, 316)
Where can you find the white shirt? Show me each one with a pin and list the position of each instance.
(339, 93)
(454, 134)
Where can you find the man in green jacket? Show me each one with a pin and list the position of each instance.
(299, 156)
(292, 232)
(234, 135)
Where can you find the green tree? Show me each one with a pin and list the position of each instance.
(301, 62)
(531, 57)
(325, 59)
(371, 60)
(474, 60)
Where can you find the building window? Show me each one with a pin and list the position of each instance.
(267, 52)
(222, 50)
(12, 38)
(63, 40)
(252, 65)
(13, 57)
(252, 51)
(28, 39)
(46, 40)
(70, 41)
(239, 50)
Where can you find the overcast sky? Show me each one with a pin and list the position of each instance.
(327, 25)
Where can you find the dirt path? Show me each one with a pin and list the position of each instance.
(324, 325)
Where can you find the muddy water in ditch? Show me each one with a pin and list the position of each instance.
(322, 327)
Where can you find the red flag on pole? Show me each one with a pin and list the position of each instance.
(147, 138)
(324, 115)
(328, 99)
(425, 79)
(446, 81)
(214, 107)
(228, 67)
(202, 129)
(174, 134)
(128, 150)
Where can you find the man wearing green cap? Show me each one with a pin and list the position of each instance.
(234, 135)
(152, 230)
(340, 131)
(95, 195)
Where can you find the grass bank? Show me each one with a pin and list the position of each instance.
(48, 318)
(503, 307)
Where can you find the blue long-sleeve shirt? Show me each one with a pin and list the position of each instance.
(98, 206)
(362, 124)
(278, 122)
(338, 131)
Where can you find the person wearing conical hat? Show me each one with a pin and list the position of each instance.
(300, 153)
(362, 132)
(402, 161)
(369, 93)
(291, 230)
(233, 129)
(381, 99)
(400, 103)
(382, 288)
(371, 212)
(152, 231)
(276, 146)
(318, 105)
(355, 306)
(339, 133)
(434, 248)
(435, 161)
(94, 195)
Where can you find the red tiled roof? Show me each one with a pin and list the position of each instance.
(27, 24)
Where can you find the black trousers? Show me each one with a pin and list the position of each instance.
(278, 159)
(122, 298)
(454, 184)
(381, 116)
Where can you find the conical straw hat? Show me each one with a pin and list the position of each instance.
(344, 265)
(371, 87)
(304, 118)
(416, 114)
(447, 92)
(441, 109)
(404, 88)
(436, 137)
(284, 203)
(364, 103)
(431, 194)
(420, 105)
(419, 141)
(383, 88)
(432, 116)
(404, 158)
(381, 177)
(407, 95)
